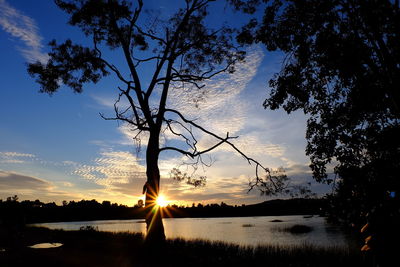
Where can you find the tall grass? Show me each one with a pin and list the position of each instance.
(224, 254)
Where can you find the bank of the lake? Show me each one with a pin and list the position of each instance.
(93, 248)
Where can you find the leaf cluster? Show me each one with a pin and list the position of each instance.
(99, 18)
(180, 176)
(69, 64)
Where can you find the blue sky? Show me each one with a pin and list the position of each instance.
(56, 148)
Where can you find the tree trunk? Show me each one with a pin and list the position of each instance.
(155, 227)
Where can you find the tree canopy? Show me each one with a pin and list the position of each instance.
(342, 68)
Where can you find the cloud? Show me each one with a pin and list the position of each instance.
(120, 173)
(218, 105)
(25, 29)
(104, 101)
(111, 168)
(298, 168)
(16, 154)
(132, 187)
(29, 187)
(130, 133)
(15, 157)
(224, 189)
(10, 182)
(67, 184)
(252, 144)
(209, 198)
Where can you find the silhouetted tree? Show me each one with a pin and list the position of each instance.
(342, 68)
(140, 203)
(106, 203)
(12, 199)
(183, 52)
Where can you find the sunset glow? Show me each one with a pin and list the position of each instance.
(161, 201)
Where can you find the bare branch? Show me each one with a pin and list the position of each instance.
(119, 115)
(151, 36)
(154, 79)
(138, 60)
(140, 122)
(110, 66)
(259, 181)
(198, 153)
(125, 44)
(187, 140)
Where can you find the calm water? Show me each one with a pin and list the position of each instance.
(240, 230)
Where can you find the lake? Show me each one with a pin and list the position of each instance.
(251, 231)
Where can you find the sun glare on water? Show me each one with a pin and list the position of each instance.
(161, 201)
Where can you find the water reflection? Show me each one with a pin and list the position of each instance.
(240, 230)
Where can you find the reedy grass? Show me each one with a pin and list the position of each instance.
(272, 255)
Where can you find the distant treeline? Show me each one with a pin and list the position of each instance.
(13, 211)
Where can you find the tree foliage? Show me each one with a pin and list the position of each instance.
(342, 68)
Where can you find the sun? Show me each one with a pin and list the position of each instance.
(161, 201)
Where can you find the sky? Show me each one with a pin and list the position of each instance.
(58, 147)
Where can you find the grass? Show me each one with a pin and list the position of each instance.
(92, 248)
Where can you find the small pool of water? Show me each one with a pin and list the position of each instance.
(46, 245)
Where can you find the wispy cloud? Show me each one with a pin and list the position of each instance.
(103, 101)
(16, 154)
(218, 105)
(25, 29)
(15, 157)
(112, 167)
(252, 144)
